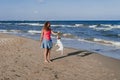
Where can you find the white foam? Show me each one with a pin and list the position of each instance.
(102, 41)
(34, 32)
(60, 25)
(104, 29)
(112, 26)
(116, 26)
(30, 24)
(92, 26)
(119, 35)
(115, 43)
(67, 34)
(3, 31)
(100, 28)
(108, 25)
(36, 24)
(82, 40)
(10, 31)
(15, 31)
(78, 25)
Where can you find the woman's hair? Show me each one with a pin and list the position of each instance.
(46, 27)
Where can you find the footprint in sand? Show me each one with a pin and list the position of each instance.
(13, 70)
(5, 78)
(46, 69)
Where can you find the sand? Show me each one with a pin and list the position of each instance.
(22, 59)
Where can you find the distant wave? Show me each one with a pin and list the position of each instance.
(61, 25)
(107, 25)
(104, 27)
(34, 32)
(41, 24)
(96, 40)
(119, 35)
(92, 26)
(115, 26)
(10, 31)
(104, 42)
(3, 31)
(79, 25)
(30, 24)
(20, 31)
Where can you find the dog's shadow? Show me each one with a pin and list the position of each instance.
(78, 53)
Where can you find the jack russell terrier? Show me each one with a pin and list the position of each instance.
(59, 43)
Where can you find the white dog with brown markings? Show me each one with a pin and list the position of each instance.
(59, 43)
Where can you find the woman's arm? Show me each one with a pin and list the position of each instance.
(54, 33)
(41, 37)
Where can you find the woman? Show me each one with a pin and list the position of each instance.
(46, 41)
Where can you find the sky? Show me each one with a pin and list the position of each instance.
(59, 9)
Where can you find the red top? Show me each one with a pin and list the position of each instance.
(47, 34)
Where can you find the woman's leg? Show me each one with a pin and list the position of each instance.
(48, 57)
(46, 54)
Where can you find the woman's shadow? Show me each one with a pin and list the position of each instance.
(78, 53)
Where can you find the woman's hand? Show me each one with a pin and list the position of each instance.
(41, 37)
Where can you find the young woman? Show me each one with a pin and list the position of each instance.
(45, 40)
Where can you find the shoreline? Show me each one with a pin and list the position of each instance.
(22, 58)
(109, 51)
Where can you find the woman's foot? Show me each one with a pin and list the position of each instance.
(49, 61)
(46, 61)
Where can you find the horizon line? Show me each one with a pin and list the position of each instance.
(65, 20)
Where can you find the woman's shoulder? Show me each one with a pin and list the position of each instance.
(43, 30)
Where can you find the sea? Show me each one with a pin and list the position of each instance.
(99, 36)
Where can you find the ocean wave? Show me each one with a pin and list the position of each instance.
(34, 32)
(78, 25)
(105, 42)
(3, 31)
(61, 25)
(68, 35)
(100, 28)
(115, 26)
(92, 26)
(107, 25)
(39, 24)
(66, 25)
(29, 24)
(118, 35)
(103, 29)
(10, 31)
(15, 31)
(110, 26)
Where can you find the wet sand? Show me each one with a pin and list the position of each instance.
(22, 59)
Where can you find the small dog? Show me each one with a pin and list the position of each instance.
(59, 43)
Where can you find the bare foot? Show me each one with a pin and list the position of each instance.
(49, 61)
(46, 61)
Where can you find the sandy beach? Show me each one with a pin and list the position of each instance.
(22, 59)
